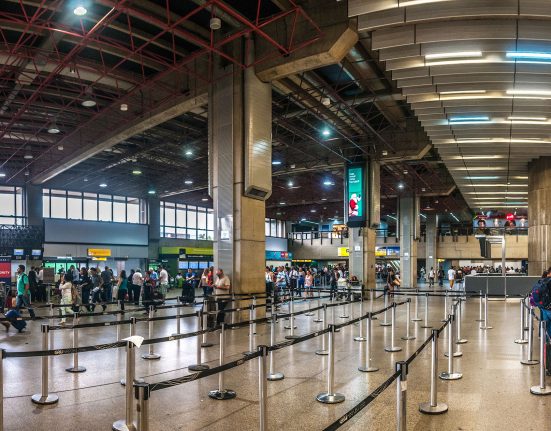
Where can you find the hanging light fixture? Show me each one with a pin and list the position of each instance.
(88, 101)
(53, 129)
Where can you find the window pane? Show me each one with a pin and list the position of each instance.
(192, 234)
(19, 202)
(74, 208)
(105, 211)
(267, 227)
(181, 233)
(133, 213)
(7, 204)
(119, 212)
(46, 206)
(181, 218)
(58, 209)
(170, 217)
(90, 209)
(210, 220)
(202, 234)
(170, 232)
(202, 220)
(210, 235)
(273, 229)
(191, 219)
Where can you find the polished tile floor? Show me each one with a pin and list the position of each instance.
(492, 395)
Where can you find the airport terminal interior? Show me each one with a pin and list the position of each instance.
(275, 215)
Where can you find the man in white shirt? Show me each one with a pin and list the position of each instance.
(163, 280)
(222, 286)
(137, 283)
(451, 276)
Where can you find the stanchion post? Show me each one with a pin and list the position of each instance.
(323, 351)
(45, 398)
(446, 311)
(309, 312)
(426, 324)
(75, 368)
(254, 314)
(371, 301)
(385, 322)
(542, 389)
(330, 396)
(480, 319)
(273, 375)
(292, 325)
(204, 324)
(199, 366)
(530, 360)
(367, 367)
(392, 348)
(455, 318)
(522, 339)
(344, 313)
(221, 393)
(416, 317)
(450, 374)
(460, 339)
(408, 335)
(262, 389)
(318, 318)
(401, 396)
(127, 424)
(143, 393)
(433, 407)
(251, 332)
(118, 326)
(151, 355)
(177, 316)
(361, 336)
(486, 325)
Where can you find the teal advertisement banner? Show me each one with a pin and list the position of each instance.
(355, 195)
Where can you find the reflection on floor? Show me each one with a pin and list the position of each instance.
(492, 395)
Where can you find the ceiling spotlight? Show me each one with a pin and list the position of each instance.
(325, 101)
(290, 184)
(85, 180)
(325, 132)
(328, 183)
(60, 147)
(28, 156)
(124, 107)
(103, 185)
(189, 153)
(2, 174)
(323, 199)
(88, 101)
(276, 162)
(312, 210)
(215, 23)
(188, 182)
(80, 10)
(151, 192)
(281, 203)
(205, 199)
(401, 186)
(405, 172)
(423, 189)
(53, 129)
(384, 153)
(136, 172)
(27, 173)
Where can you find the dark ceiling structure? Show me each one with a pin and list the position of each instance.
(118, 96)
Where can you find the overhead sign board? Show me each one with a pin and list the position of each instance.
(99, 252)
(355, 196)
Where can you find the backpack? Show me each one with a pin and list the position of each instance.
(541, 294)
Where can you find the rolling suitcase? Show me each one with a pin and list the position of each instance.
(189, 294)
(15, 319)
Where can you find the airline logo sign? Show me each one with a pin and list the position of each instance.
(99, 252)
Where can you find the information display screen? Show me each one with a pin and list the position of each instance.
(355, 195)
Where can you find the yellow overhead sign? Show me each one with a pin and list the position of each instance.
(99, 252)
(343, 252)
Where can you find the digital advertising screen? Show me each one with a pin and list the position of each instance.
(355, 195)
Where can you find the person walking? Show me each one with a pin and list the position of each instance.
(451, 276)
(23, 293)
(431, 277)
(86, 287)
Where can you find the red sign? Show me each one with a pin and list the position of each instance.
(5, 269)
(510, 216)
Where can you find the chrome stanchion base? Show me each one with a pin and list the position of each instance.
(537, 390)
(203, 345)
(450, 376)
(462, 341)
(309, 313)
(322, 352)
(383, 323)
(368, 369)
(292, 337)
(272, 377)
(409, 337)
(344, 316)
(317, 320)
(426, 326)
(327, 398)
(529, 362)
(393, 349)
(288, 327)
(416, 319)
(198, 367)
(151, 356)
(360, 338)
(433, 410)
(138, 380)
(479, 320)
(50, 399)
(455, 354)
(76, 369)
(486, 327)
(521, 341)
(226, 394)
(121, 426)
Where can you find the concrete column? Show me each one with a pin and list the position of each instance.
(369, 241)
(356, 252)
(34, 205)
(408, 213)
(238, 155)
(431, 244)
(154, 212)
(539, 201)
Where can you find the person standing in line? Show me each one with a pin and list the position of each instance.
(130, 286)
(97, 295)
(163, 280)
(137, 283)
(33, 284)
(451, 276)
(309, 283)
(66, 288)
(222, 287)
(431, 277)
(122, 289)
(107, 280)
(23, 297)
(86, 287)
(300, 281)
(41, 297)
(293, 276)
(333, 283)
(207, 288)
(440, 277)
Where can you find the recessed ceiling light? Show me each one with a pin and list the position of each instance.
(325, 132)
(400, 186)
(189, 153)
(136, 172)
(28, 156)
(282, 203)
(27, 173)
(312, 210)
(188, 182)
(60, 147)
(290, 184)
(124, 107)
(151, 192)
(80, 10)
(205, 199)
(2, 174)
(276, 162)
(103, 185)
(328, 183)
(326, 101)
(323, 199)
(85, 180)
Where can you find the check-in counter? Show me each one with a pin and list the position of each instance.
(498, 285)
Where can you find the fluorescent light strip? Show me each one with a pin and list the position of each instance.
(494, 185)
(480, 168)
(464, 92)
(496, 193)
(417, 2)
(472, 157)
(532, 55)
(535, 92)
(515, 118)
(502, 140)
(482, 178)
(393, 218)
(477, 118)
(459, 54)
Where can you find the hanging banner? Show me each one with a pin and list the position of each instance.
(5, 269)
(355, 196)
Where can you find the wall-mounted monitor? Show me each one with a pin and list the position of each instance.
(18, 252)
(36, 252)
(355, 195)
